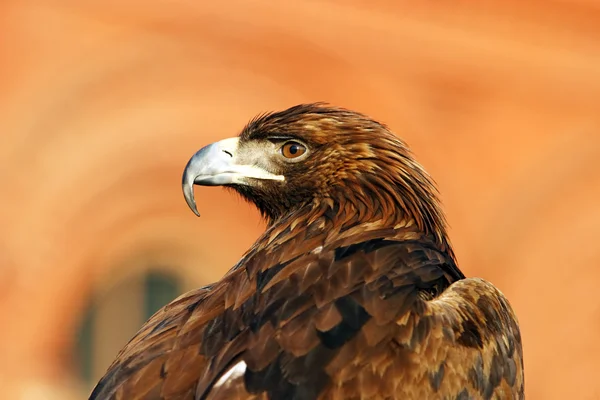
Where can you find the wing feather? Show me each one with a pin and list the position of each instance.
(373, 318)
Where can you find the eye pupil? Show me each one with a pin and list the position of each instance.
(294, 149)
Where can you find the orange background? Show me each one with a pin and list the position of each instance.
(103, 102)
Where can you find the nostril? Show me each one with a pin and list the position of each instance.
(228, 153)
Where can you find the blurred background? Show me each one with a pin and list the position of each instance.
(103, 102)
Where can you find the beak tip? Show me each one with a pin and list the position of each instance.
(188, 194)
(192, 204)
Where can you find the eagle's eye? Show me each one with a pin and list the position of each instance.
(293, 149)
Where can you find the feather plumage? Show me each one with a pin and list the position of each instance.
(352, 292)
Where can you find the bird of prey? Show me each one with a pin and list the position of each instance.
(352, 292)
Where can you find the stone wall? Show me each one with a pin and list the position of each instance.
(102, 103)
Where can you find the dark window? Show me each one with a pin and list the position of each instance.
(115, 316)
(160, 289)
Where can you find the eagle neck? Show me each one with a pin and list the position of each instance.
(331, 219)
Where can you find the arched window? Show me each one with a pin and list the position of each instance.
(116, 315)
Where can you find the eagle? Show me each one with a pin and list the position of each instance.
(352, 292)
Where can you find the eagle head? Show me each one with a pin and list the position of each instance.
(315, 158)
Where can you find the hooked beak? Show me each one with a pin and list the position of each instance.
(216, 165)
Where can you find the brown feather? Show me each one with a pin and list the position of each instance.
(352, 292)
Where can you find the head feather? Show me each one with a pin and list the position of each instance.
(358, 169)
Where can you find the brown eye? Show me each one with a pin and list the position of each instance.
(293, 150)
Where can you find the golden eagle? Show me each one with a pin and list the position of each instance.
(352, 292)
